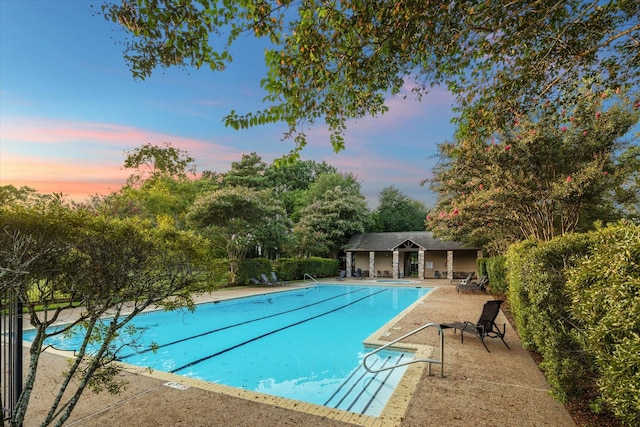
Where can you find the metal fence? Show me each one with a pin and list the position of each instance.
(10, 352)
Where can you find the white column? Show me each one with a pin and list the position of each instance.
(349, 255)
(372, 264)
(420, 264)
(450, 265)
(396, 259)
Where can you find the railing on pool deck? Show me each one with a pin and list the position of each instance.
(309, 276)
(429, 361)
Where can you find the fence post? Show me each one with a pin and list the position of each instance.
(17, 356)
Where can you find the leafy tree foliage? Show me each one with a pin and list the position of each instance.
(552, 172)
(335, 211)
(159, 190)
(238, 220)
(55, 254)
(151, 162)
(333, 61)
(604, 288)
(397, 212)
(291, 180)
(10, 195)
(627, 193)
(248, 172)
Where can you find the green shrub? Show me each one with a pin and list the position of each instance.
(253, 267)
(220, 272)
(518, 274)
(481, 265)
(497, 274)
(541, 307)
(296, 268)
(604, 288)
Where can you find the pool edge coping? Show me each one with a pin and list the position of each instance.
(391, 415)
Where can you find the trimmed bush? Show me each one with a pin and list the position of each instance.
(542, 308)
(604, 288)
(481, 265)
(253, 268)
(497, 274)
(295, 268)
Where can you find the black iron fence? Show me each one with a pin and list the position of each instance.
(10, 352)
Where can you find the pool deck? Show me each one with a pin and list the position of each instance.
(500, 388)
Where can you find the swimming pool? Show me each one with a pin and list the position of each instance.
(304, 344)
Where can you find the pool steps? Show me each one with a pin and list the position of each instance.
(365, 392)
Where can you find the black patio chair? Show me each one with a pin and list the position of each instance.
(484, 327)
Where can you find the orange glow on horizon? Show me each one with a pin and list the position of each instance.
(78, 191)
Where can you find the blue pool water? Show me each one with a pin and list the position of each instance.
(303, 344)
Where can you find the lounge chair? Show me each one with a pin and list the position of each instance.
(465, 280)
(484, 327)
(266, 281)
(480, 285)
(274, 279)
(342, 275)
(357, 274)
(254, 281)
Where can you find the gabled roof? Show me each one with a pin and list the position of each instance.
(401, 240)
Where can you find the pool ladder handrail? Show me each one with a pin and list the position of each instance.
(429, 361)
(309, 276)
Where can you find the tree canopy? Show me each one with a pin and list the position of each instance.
(553, 172)
(398, 212)
(56, 258)
(333, 61)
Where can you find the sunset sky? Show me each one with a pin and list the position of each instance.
(69, 109)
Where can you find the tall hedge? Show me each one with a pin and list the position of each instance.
(253, 267)
(542, 308)
(296, 268)
(481, 265)
(497, 274)
(604, 290)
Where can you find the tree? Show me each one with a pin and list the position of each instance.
(152, 162)
(159, 190)
(627, 193)
(398, 212)
(238, 219)
(552, 173)
(334, 211)
(334, 61)
(291, 180)
(58, 258)
(249, 172)
(157, 200)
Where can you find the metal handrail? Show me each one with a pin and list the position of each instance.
(429, 361)
(309, 276)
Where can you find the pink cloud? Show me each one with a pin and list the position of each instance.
(88, 156)
(435, 106)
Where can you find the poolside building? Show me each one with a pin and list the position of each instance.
(409, 254)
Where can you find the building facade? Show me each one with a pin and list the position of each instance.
(409, 254)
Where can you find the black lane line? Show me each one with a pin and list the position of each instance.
(195, 362)
(236, 324)
(373, 397)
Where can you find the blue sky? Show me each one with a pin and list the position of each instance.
(69, 109)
